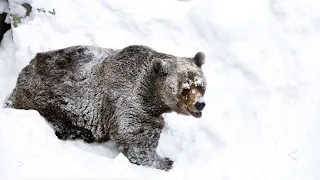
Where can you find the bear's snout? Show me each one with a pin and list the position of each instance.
(193, 100)
(200, 105)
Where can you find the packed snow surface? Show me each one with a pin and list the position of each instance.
(262, 114)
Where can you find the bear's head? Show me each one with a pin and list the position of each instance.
(182, 84)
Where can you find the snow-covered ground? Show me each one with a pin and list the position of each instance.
(262, 119)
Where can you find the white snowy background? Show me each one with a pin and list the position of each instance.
(262, 119)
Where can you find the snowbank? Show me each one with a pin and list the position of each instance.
(262, 115)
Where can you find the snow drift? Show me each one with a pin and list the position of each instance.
(263, 102)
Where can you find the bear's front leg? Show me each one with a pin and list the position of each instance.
(139, 143)
(146, 156)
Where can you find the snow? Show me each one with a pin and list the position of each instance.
(261, 119)
(185, 85)
(16, 8)
(3, 6)
(199, 98)
(198, 81)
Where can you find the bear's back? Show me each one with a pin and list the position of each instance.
(72, 62)
(58, 73)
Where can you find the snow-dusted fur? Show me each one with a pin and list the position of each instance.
(99, 94)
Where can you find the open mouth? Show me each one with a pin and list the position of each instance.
(196, 114)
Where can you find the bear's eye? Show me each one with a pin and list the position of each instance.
(202, 89)
(185, 92)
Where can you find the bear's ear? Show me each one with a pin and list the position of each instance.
(162, 67)
(199, 59)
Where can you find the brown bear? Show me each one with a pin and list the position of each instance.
(99, 94)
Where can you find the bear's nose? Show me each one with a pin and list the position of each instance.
(200, 105)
